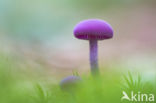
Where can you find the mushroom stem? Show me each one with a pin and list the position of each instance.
(94, 57)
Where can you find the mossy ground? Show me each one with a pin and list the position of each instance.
(106, 88)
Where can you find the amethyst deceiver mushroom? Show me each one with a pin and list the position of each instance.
(69, 83)
(93, 30)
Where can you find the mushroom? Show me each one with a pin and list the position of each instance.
(69, 83)
(93, 30)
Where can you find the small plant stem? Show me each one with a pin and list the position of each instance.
(94, 57)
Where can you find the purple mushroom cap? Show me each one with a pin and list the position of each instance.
(70, 82)
(93, 29)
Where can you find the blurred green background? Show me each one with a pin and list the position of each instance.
(37, 42)
(40, 33)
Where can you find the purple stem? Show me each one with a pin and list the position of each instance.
(94, 57)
